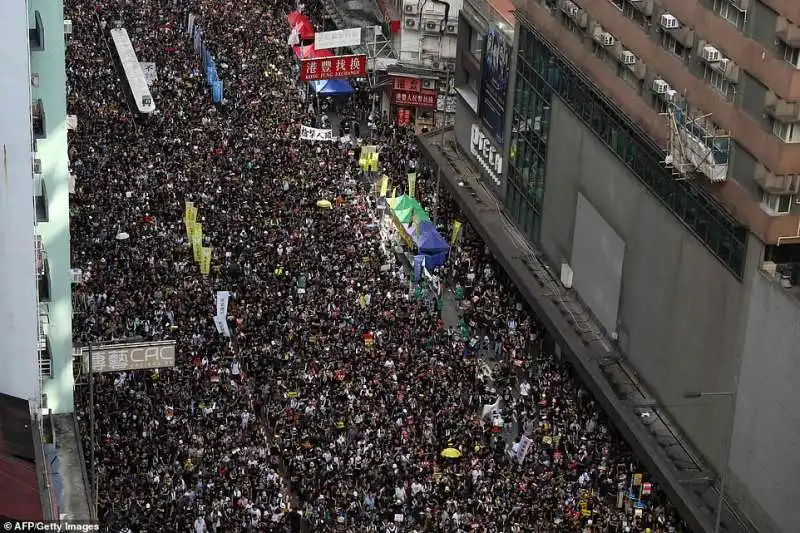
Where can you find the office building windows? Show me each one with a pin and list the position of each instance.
(792, 55)
(671, 45)
(544, 71)
(788, 132)
(728, 10)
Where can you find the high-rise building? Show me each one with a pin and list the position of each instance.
(35, 316)
(648, 151)
(34, 208)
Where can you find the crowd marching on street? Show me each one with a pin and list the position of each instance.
(329, 394)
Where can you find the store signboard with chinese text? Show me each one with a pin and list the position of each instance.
(125, 357)
(426, 99)
(328, 40)
(328, 68)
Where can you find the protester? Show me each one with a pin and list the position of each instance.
(340, 387)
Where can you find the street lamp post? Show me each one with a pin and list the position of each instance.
(728, 446)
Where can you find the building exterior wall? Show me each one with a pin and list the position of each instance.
(18, 327)
(49, 64)
(764, 455)
(691, 317)
(679, 308)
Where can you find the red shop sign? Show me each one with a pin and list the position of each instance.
(424, 99)
(328, 68)
(404, 83)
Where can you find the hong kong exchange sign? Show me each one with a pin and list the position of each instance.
(328, 68)
(131, 356)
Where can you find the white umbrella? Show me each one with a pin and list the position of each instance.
(122, 236)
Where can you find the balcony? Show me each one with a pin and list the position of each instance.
(38, 119)
(727, 68)
(40, 199)
(776, 184)
(43, 284)
(645, 7)
(36, 34)
(780, 109)
(684, 35)
(787, 32)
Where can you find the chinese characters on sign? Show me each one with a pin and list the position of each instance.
(328, 68)
(316, 134)
(131, 356)
(422, 99)
(403, 83)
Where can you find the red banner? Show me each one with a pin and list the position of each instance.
(426, 99)
(404, 83)
(328, 68)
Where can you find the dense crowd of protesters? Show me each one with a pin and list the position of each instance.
(339, 388)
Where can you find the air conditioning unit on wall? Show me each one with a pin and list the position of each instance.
(627, 58)
(711, 54)
(411, 22)
(668, 22)
(607, 39)
(660, 86)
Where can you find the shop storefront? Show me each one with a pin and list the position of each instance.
(414, 101)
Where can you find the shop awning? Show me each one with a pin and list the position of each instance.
(309, 52)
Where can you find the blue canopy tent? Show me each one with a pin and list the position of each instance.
(431, 243)
(331, 87)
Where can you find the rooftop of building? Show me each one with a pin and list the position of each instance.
(19, 486)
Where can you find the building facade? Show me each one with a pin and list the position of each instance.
(648, 152)
(37, 328)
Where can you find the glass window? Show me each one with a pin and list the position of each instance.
(671, 45)
(728, 10)
(776, 204)
(719, 82)
(792, 55)
(788, 132)
(475, 43)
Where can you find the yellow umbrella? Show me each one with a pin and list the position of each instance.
(325, 204)
(451, 453)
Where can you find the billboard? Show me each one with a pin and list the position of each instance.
(124, 357)
(494, 84)
(424, 99)
(325, 40)
(328, 68)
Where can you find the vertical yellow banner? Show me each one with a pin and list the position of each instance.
(189, 230)
(197, 241)
(384, 185)
(394, 193)
(456, 230)
(412, 183)
(188, 206)
(205, 260)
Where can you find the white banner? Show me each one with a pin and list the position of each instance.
(325, 40)
(149, 70)
(222, 303)
(222, 326)
(315, 134)
(525, 447)
(190, 25)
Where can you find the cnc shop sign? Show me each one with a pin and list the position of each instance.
(483, 150)
(129, 356)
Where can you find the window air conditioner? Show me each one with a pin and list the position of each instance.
(409, 8)
(660, 86)
(411, 22)
(669, 96)
(607, 39)
(429, 84)
(37, 165)
(627, 58)
(67, 27)
(452, 29)
(668, 22)
(570, 9)
(711, 54)
(34, 80)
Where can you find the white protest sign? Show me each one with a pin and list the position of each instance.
(222, 303)
(316, 134)
(525, 447)
(222, 325)
(149, 70)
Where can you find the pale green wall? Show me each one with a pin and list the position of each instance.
(50, 65)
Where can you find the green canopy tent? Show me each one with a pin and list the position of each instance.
(401, 202)
(417, 214)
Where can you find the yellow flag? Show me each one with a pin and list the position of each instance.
(189, 230)
(197, 241)
(456, 230)
(384, 185)
(412, 183)
(394, 193)
(205, 260)
(188, 208)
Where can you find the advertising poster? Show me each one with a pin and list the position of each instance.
(494, 85)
